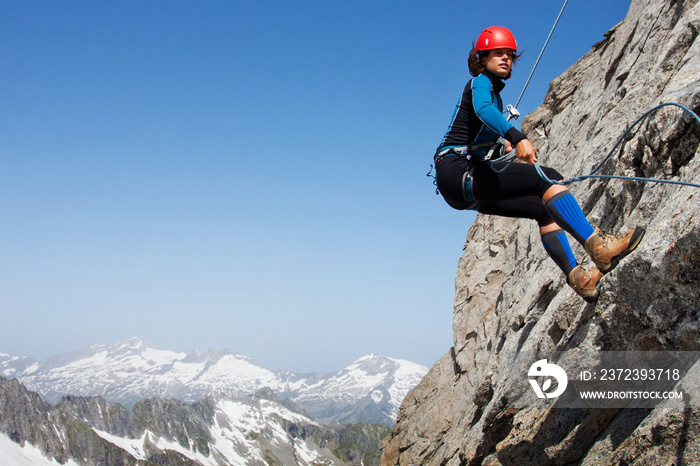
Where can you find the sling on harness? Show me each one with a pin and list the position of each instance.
(465, 151)
(467, 192)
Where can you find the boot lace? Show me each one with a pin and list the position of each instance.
(608, 238)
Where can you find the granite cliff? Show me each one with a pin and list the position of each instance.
(510, 297)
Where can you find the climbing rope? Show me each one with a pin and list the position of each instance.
(541, 53)
(612, 151)
(508, 158)
(512, 110)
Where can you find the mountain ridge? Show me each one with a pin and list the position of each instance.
(217, 430)
(133, 369)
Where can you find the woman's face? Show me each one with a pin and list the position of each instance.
(499, 62)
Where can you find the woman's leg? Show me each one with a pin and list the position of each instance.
(554, 240)
(564, 209)
(559, 250)
(553, 237)
(517, 180)
(450, 179)
(520, 179)
(523, 180)
(605, 249)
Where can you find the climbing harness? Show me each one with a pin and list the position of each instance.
(462, 151)
(467, 192)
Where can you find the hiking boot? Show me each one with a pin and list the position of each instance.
(607, 250)
(584, 282)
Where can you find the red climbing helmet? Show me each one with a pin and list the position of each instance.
(496, 37)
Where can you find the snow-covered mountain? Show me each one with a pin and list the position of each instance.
(10, 366)
(369, 390)
(253, 430)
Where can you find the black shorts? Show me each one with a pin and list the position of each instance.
(516, 192)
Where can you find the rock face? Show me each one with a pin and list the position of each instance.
(511, 298)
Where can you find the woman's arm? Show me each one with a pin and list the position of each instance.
(491, 116)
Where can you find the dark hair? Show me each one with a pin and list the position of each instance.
(477, 61)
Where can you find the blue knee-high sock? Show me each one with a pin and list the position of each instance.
(564, 209)
(557, 246)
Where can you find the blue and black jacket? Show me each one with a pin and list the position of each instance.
(478, 118)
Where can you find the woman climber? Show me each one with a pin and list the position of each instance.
(467, 182)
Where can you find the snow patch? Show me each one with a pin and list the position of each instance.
(377, 396)
(14, 454)
(136, 447)
(237, 430)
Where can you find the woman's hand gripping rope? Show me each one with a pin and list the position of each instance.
(525, 151)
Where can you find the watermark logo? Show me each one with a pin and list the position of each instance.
(543, 369)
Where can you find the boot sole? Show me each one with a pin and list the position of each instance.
(634, 242)
(592, 298)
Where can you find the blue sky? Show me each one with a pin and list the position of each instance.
(244, 174)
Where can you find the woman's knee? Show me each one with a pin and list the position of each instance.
(552, 174)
